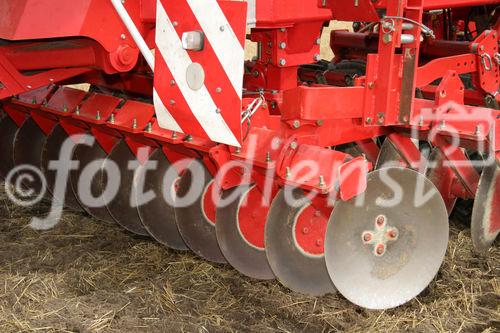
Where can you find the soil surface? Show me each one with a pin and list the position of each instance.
(86, 276)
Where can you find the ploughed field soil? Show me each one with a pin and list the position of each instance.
(86, 276)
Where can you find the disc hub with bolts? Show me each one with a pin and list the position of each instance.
(381, 236)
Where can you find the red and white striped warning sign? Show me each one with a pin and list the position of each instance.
(199, 67)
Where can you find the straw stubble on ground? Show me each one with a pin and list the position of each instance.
(86, 276)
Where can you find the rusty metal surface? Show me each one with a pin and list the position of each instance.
(120, 206)
(158, 216)
(8, 131)
(28, 146)
(85, 155)
(51, 152)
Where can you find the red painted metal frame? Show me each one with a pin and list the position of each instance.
(87, 41)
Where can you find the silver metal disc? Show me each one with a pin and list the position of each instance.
(195, 226)
(157, 216)
(412, 227)
(246, 256)
(121, 205)
(485, 222)
(295, 269)
(443, 177)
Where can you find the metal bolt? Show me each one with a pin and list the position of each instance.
(189, 138)
(393, 233)
(174, 135)
(368, 120)
(282, 62)
(175, 23)
(98, 115)
(319, 122)
(282, 29)
(237, 150)
(367, 237)
(149, 127)
(293, 145)
(34, 101)
(268, 157)
(322, 181)
(387, 38)
(123, 36)
(442, 125)
(46, 103)
(479, 129)
(65, 107)
(318, 41)
(380, 249)
(255, 73)
(77, 110)
(287, 173)
(222, 28)
(319, 242)
(112, 118)
(380, 221)
(296, 124)
(218, 111)
(371, 85)
(282, 45)
(317, 57)
(134, 123)
(218, 90)
(305, 230)
(421, 121)
(172, 102)
(172, 82)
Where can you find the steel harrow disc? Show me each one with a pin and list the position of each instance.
(384, 248)
(51, 152)
(294, 238)
(121, 205)
(157, 215)
(28, 145)
(196, 218)
(8, 130)
(485, 222)
(240, 231)
(389, 156)
(442, 176)
(86, 155)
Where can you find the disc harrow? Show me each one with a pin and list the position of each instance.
(324, 174)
